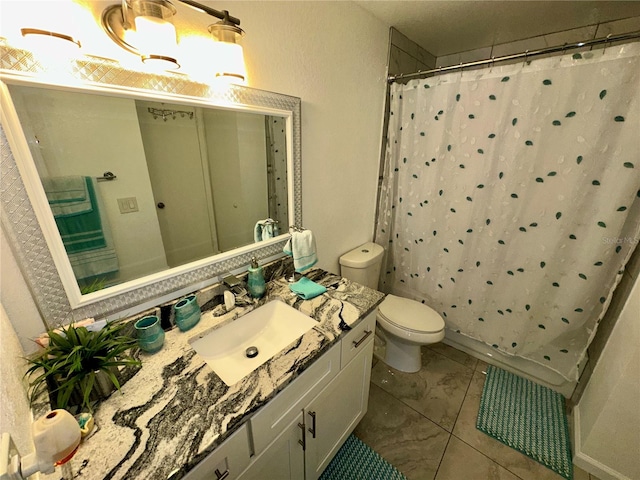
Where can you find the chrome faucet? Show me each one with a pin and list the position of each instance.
(236, 286)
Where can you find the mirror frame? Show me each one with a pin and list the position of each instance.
(27, 219)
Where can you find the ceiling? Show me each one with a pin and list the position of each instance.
(446, 27)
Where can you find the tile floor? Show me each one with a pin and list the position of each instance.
(425, 423)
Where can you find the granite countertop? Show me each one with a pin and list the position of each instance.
(176, 410)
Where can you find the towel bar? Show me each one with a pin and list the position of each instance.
(106, 176)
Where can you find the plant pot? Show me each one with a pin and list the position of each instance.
(102, 388)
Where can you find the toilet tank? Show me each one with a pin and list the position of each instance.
(362, 264)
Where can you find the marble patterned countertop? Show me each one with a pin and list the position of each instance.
(175, 410)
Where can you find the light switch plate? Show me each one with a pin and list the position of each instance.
(128, 205)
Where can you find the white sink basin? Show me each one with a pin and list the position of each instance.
(269, 328)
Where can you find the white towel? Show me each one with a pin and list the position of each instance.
(264, 230)
(302, 246)
(67, 196)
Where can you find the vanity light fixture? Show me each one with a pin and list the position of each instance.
(145, 28)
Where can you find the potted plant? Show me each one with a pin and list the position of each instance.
(77, 362)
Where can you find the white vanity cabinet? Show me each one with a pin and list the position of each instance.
(298, 432)
(227, 461)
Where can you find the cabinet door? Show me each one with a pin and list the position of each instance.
(336, 411)
(226, 461)
(283, 459)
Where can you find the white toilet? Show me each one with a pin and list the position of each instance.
(404, 324)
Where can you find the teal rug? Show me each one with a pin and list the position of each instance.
(527, 417)
(357, 461)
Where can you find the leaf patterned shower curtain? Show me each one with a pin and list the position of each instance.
(510, 199)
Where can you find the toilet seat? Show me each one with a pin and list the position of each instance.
(410, 315)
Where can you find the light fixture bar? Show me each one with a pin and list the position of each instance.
(223, 15)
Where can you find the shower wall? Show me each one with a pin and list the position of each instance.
(406, 56)
(548, 40)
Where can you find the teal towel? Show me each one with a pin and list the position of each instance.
(82, 231)
(306, 288)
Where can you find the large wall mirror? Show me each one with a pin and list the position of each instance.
(139, 192)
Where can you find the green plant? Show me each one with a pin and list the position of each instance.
(74, 359)
(96, 285)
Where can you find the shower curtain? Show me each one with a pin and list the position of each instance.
(510, 199)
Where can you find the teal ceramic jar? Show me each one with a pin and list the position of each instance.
(187, 313)
(150, 334)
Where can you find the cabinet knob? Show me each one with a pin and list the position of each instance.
(160, 205)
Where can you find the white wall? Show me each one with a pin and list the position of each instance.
(17, 300)
(607, 418)
(333, 55)
(15, 415)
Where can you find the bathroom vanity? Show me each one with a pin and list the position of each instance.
(177, 419)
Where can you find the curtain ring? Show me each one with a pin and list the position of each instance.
(526, 55)
(606, 43)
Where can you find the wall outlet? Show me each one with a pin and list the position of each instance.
(128, 205)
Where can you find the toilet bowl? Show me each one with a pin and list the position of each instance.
(404, 324)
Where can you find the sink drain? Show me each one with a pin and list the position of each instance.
(251, 352)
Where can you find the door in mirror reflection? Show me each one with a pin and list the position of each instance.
(190, 182)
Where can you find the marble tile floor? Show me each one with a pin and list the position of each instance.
(425, 423)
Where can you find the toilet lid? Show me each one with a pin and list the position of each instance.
(411, 315)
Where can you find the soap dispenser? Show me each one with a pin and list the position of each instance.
(255, 281)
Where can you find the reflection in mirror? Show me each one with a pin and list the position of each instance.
(189, 182)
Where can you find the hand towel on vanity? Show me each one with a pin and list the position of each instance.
(302, 247)
(307, 289)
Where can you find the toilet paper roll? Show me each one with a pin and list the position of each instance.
(56, 437)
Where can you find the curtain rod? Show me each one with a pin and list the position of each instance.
(560, 48)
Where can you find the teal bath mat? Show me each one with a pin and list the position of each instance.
(527, 417)
(357, 461)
